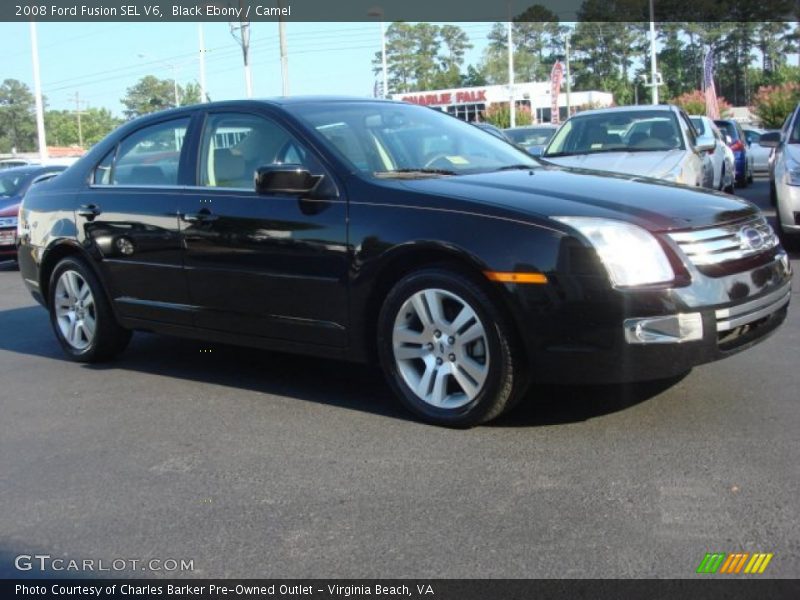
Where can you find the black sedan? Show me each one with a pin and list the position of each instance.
(368, 229)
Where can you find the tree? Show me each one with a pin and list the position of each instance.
(423, 56)
(17, 117)
(772, 104)
(151, 94)
(62, 126)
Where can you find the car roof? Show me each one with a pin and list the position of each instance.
(623, 109)
(536, 126)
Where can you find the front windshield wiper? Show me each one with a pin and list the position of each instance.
(519, 167)
(421, 171)
(607, 150)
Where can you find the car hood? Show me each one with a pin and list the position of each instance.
(9, 206)
(550, 191)
(647, 164)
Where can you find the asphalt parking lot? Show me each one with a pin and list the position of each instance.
(255, 464)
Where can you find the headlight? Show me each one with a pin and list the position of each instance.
(630, 254)
(792, 176)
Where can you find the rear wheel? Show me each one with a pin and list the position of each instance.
(81, 314)
(447, 351)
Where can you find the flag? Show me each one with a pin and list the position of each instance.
(556, 75)
(712, 107)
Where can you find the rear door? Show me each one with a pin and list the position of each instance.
(273, 266)
(128, 217)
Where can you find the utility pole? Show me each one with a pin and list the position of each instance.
(202, 58)
(241, 33)
(78, 113)
(37, 89)
(284, 53)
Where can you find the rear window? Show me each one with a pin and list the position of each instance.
(728, 128)
(699, 125)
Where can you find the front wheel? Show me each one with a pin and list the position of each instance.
(447, 350)
(81, 315)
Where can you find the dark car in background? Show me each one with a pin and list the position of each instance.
(14, 183)
(737, 141)
(376, 230)
(494, 130)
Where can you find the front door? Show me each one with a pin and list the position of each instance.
(273, 266)
(128, 217)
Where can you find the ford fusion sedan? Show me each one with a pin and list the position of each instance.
(13, 185)
(785, 175)
(650, 141)
(373, 230)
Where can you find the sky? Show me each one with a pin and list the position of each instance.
(101, 60)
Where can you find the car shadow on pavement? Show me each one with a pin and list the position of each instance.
(560, 404)
(336, 383)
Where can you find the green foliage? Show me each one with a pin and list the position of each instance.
(62, 126)
(17, 117)
(423, 56)
(500, 115)
(772, 104)
(151, 94)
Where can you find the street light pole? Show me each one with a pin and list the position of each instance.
(37, 88)
(284, 54)
(569, 83)
(653, 69)
(201, 40)
(511, 101)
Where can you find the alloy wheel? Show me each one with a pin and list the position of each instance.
(75, 310)
(440, 348)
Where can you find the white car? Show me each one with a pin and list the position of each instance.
(652, 141)
(760, 153)
(721, 156)
(785, 176)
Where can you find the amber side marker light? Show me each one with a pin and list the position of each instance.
(515, 277)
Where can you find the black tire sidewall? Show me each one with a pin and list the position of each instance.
(106, 329)
(484, 405)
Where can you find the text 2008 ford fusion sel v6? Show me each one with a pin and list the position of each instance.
(365, 228)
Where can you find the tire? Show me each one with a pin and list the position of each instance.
(789, 241)
(750, 175)
(460, 355)
(773, 195)
(76, 299)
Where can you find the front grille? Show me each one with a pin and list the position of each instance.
(717, 245)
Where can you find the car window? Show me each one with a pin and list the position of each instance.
(691, 132)
(728, 128)
(699, 125)
(617, 131)
(12, 183)
(531, 136)
(149, 156)
(751, 136)
(102, 172)
(402, 140)
(236, 144)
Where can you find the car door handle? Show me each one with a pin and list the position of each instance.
(88, 210)
(203, 216)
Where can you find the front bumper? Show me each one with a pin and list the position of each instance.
(613, 336)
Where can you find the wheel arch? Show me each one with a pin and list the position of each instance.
(407, 258)
(55, 252)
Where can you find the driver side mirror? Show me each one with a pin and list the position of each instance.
(771, 139)
(285, 179)
(705, 143)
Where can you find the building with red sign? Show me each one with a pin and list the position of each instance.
(470, 103)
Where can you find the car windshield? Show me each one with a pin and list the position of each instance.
(531, 136)
(617, 131)
(12, 184)
(699, 125)
(404, 140)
